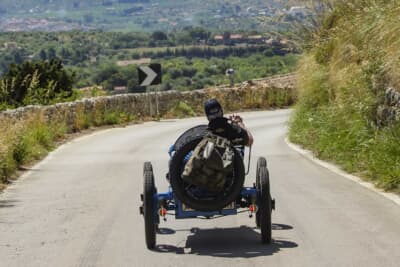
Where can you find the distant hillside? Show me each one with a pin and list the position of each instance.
(148, 15)
(342, 80)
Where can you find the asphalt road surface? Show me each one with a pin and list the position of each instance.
(80, 207)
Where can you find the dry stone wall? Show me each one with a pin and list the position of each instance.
(278, 91)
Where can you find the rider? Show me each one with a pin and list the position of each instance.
(235, 131)
(232, 129)
(212, 161)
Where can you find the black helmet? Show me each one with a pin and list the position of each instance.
(213, 109)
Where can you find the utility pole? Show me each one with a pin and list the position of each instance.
(231, 75)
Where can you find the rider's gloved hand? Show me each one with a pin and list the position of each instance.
(235, 118)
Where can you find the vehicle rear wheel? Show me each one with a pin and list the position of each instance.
(149, 205)
(147, 167)
(261, 163)
(204, 204)
(265, 205)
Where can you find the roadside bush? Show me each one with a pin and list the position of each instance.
(26, 140)
(39, 82)
(181, 110)
(189, 71)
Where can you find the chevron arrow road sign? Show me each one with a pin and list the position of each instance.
(150, 75)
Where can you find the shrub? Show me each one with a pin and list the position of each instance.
(36, 83)
(181, 110)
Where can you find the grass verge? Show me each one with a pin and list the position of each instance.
(341, 82)
(25, 141)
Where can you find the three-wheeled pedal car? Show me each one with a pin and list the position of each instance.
(188, 201)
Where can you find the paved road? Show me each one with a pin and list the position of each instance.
(80, 208)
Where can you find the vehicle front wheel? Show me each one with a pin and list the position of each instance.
(261, 164)
(149, 206)
(265, 205)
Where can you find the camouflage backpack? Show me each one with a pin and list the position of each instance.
(210, 163)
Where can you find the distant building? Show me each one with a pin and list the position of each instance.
(255, 39)
(218, 39)
(11, 45)
(236, 38)
(284, 42)
(120, 89)
(272, 42)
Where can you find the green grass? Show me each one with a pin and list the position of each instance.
(347, 140)
(30, 139)
(181, 110)
(25, 141)
(341, 82)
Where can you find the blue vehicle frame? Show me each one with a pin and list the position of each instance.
(169, 201)
(255, 200)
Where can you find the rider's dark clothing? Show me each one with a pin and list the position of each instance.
(231, 131)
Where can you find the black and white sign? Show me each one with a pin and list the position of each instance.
(150, 75)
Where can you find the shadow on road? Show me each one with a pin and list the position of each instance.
(7, 203)
(279, 226)
(165, 231)
(243, 242)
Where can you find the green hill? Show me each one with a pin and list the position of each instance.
(342, 80)
(145, 15)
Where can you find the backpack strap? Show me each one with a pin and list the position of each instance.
(219, 141)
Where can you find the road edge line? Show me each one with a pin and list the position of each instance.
(334, 168)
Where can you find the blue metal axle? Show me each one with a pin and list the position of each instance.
(171, 203)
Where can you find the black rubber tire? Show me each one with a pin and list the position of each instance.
(265, 206)
(261, 163)
(149, 190)
(147, 167)
(190, 134)
(214, 204)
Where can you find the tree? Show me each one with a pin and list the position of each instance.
(199, 33)
(36, 83)
(51, 53)
(18, 58)
(189, 71)
(175, 73)
(115, 80)
(159, 36)
(42, 54)
(227, 36)
(105, 73)
(88, 18)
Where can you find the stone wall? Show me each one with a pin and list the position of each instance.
(258, 94)
(389, 111)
